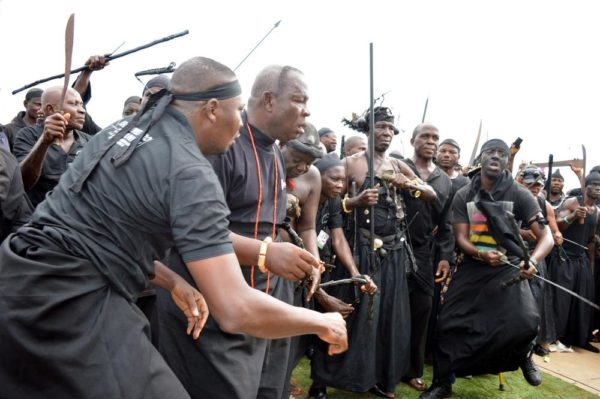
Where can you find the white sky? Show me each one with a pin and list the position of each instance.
(527, 68)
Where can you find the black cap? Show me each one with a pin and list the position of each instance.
(308, 142)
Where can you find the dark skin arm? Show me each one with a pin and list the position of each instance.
(283, 258)
(402, 181)
(54, 129)
(186, 297)
(305, 224)
(94, 63)
(511, 158)
(556, 234)
(572, 211)
(239, 308)
(495, 258)
(344, 254)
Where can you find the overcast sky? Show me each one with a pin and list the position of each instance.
(528, 69)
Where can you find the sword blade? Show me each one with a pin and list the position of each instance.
(574, 243)
(560, 287)
(69, 35)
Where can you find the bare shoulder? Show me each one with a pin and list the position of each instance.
(313, 175)
(571, 203)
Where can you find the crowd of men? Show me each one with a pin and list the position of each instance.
(200, 247)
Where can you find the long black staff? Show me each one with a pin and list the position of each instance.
(108, 58)
(258, 44)
(371, 154)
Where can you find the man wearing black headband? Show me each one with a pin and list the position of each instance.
(33, 110)
(578, 220)
(45, 151)
(484, 328)
(328, 139)
(68, 326)
(253, 178)
(433, 251)
(379, 355)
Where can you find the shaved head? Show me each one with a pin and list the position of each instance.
(421, 127)
(51, 96)
(200, 74)
(274, 79)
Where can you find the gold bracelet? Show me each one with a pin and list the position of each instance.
(262, 254)
(344, 208)
(479, 254)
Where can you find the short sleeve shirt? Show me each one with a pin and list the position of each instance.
(166, 195)
(517, 200)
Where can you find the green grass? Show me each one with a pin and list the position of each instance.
(476, 388)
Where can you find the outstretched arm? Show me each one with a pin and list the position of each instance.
(239, 308)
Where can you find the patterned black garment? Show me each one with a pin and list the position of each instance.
(484, 328)
(379, 328)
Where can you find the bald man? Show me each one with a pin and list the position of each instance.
(252, 174)
(354, 145)
(68, 326)
(45, 152)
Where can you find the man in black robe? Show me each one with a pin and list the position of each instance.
(483, 327)
(379, 327)
(253, 178)
(578, 220)
(68, 325)
(432, 243)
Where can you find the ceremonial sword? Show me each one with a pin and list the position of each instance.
(69, 35)
(552, 283)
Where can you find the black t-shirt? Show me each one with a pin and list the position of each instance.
(237, 172)
(459, 182)
(55, 163)
(515, 199)
(431, 215)
(165, 196)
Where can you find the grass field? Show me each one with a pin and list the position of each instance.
(475, 388)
